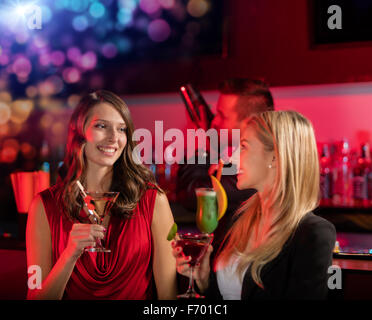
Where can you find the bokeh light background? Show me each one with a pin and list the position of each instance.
(43, 72)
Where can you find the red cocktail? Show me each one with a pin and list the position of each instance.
(195, 246)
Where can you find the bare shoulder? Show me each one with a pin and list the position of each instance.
(162, 210)
(161, 199)
(37, 210)
(37, 219)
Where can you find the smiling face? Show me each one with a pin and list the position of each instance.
(105, 133)
(254, 163)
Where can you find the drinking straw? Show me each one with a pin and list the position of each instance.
(219, 170)
(92, 212)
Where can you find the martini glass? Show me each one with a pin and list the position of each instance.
(98, 205)
(194, 245)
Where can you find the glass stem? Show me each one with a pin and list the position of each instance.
(191, 281)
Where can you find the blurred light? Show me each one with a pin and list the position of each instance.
(5, 97)
(159, 30)
(8, 155)
(22, 79)
(88, 60)
(45, 88)
(40, 42)
(46, 14)
(3, 83)
(5, 113)
(15, 128)
(22, 66)
(74, 54)
(45, 103)
(125, 16)
(78, 5)
(198, 8)
(46, 121)
(166, 4)
(45, 59)
(97, 10)
(22, 37)
(4, 59)
(150, 6)
(9, 151)
(58, 129)
(124, 45)
(11, 143)
(20, 10)
(109, 50)
(178, 12)
(31, 91)
(73, 100)
(80, 23)
(128, 4)
(28, 151)
(58, 58)
(57, 83)
(71, 75)
(60, 4)
(4, 130)
(21, 109)
(107, 3)
(52, 105)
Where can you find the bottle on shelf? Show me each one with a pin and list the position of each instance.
(342, 177)
(325, 177)
(360, 177)
(199, 111)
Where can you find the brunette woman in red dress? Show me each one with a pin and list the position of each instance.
(99, 155)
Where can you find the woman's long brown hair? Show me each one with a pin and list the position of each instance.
(128, 177)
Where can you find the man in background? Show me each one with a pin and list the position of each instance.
(238, 100)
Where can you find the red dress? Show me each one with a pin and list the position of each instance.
(124, 273)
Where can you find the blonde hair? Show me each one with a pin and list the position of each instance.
(264, 225)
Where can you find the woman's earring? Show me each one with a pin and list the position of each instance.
(270, 166)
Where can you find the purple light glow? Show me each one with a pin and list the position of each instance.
(4, 59)
(88, 60)
(150, 6)
(45, 59)
(74, 54)
(109, 50)
(58, 58)
(167, 4)
(71, 75)
(22, 67)
(159, 30)
(40, 42)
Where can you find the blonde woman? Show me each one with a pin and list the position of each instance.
(277, 248)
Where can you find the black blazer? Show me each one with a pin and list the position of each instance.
(300, 269)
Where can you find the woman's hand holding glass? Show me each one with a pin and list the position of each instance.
(201, 269)
(83, 235)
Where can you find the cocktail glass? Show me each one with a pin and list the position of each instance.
(207, 210)
(194, 245)
(98, 207)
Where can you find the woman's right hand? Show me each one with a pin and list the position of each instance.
(201, 270)
(81, 236)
